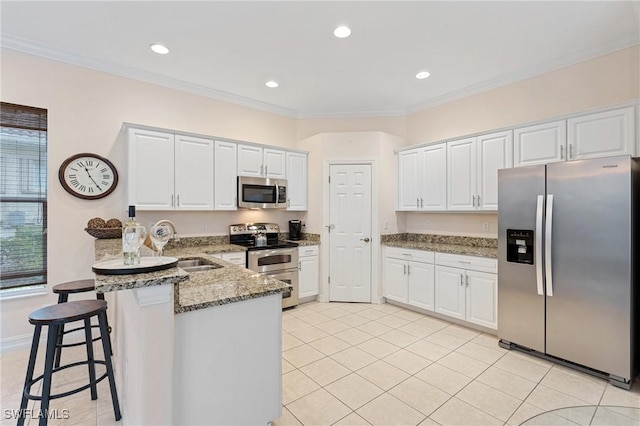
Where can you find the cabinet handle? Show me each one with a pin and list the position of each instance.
(465, 262)
(461, 280)
(406, 254)
(299, 266)
(473, 202)
(265, 170)
(404, 269)
(467, 280)
(171, 200)
(408, 269)
(561, 152)
(178, 200)
(417, 203)
(570, 151)
(421, 204)
(288, 202)
(478, 201)
(261, 169)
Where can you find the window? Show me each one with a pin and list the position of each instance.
(23, 196)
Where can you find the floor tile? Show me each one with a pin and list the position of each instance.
(295, 385)
(372, 314)
(399, 338)
(481, 353)
(457, 412)
(336, 312)
(488, 340)
(429, 422)
(378, 347)
(524, 412)
(393, 321)
(333, 327)
(374, 328)
(309, 334)
(408, 315)
(354, 390)
(318, 408)
(353, 336)
(289, 341)
(522, 367)
(314, 318)
(293, 324)
(287, 419)
(354, 358)
(490, 400)
(329, 345)
(463, 364)
(356, 307)
(550, 399)
(353, 320)
(287, 366)
(607, 416)
(352, 420)
(383, 375)
(461, 332)
(443, 378)
(435, 323)
(509, 383)
(407, 361)
(445, 340)
(428, 350)
(387, 410)
(420, 395)
(616, 396)
(578, 385)
(418, 329)
(302, 355)
(387, 307)
(325, 371)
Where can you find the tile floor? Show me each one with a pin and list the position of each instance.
(361, 364)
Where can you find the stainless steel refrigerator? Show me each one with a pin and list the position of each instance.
(567, 249)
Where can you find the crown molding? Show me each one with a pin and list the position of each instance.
(26, 46)
(531, 72)
(396, 112)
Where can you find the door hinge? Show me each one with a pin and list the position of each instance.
(329, 279)
(329, 179)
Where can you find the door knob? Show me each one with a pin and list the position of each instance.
(366, 240)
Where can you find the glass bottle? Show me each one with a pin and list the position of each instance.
(132, 234)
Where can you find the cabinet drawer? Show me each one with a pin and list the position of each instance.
(238, 258)
(473, 263)
(307, 251)
(407, 254)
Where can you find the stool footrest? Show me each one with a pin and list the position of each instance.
(71, 392)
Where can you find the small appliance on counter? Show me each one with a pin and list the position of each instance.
(295, 230)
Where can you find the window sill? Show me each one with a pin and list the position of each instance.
(19, 293)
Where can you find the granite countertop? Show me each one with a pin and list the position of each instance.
(446, 248)
(304, 242)
(195, 290)
(453, 244)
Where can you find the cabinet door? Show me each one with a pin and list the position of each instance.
(150, 170)
(495, 151)
(433, 177)
(408, 180)
(193, 173)
(308, 277)
(461, 174)
(237, 258)
(226, 183)
(482, 299)
(395, 280)
(250, 161)
(296, 181)
(541, 144)
(421, 285)
(274, 161)
(603, 134)
(450, 291)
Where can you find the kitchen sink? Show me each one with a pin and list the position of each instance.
(197, 264)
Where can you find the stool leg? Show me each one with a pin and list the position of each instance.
(90, 359)
(101, 297)
(48, 371)
(106, 347)
(62, 298)
(30, 367)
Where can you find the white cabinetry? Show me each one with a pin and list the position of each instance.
(409, 277)
(466, 287)
(541, 144)
(472, 170)
(225, 193)
(261, 162)
(237, 257)
(296, 181)
(603, 134)
(422, 179)
(163, 167)
(308, 271)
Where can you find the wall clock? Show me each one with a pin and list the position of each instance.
(88, 176)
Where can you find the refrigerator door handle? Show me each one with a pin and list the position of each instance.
(547, 245)
(538, 251)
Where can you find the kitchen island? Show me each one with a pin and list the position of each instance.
(196, 348)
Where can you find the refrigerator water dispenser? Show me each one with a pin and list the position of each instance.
(520, 246)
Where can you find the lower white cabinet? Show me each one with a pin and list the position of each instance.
(308, 271)
(237, 257)
(470, 292)
(409, 277)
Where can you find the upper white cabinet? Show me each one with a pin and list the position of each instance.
(162, 168)
(225, 192)
(261, 162)
(472, 170)
(422, 178)
(296, 181)
(603, 134)
(541, 144)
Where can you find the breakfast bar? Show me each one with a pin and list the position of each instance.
(195, 348)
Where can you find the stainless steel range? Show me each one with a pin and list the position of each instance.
(268, 256)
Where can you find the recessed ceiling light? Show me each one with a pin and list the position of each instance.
(272, 84)
(422, 75)
(159, 49)
(342, 32)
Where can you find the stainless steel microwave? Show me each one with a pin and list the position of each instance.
(262, 193)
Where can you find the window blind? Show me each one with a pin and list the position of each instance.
(23, 195)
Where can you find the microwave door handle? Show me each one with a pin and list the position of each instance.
(277, 192)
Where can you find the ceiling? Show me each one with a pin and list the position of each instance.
(228, 50)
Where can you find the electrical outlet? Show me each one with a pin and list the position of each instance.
(485, 226)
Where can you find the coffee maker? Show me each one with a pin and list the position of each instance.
(295, 230)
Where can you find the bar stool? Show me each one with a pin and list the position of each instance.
(63, 291)
(55, 316)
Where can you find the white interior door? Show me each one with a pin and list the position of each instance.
(350, 236)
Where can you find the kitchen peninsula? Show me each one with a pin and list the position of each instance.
(195, 348)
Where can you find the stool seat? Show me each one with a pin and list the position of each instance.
(79, 286)
(67, 312)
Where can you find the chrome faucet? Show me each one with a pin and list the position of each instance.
(174, 237)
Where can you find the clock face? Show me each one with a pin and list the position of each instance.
(88, 176)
